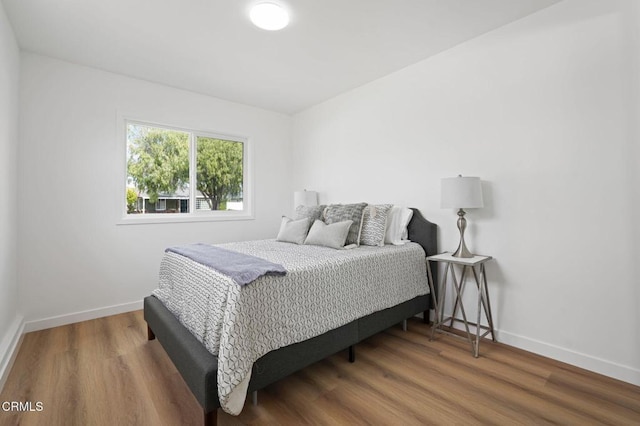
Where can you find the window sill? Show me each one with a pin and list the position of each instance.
(150, 218)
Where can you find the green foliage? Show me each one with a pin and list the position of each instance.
(158, 160)
(219, 170)
(158, 163)
(132, 198)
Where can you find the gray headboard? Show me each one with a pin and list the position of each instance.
(425, 233)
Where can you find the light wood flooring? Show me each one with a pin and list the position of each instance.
(105, 372)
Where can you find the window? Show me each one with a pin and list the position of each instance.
(182, 173)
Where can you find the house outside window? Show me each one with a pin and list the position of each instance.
(175, 172)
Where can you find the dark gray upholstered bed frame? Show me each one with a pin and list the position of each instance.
(198, 366)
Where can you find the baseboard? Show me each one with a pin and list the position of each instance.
(59, 320)
(9, 348)
(617, 371)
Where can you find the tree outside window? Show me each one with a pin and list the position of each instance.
(165, 164)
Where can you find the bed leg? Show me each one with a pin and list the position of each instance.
(254, 397)
(211, 418)
(404, 325)
(425, 317)
(352, 353)
(150, 334)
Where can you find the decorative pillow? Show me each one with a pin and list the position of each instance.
(397, 222)
(341, 212)
(293, 231)
(374, 224)
(312, 213)
(333, 235)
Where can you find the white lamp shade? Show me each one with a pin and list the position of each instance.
(461, 193)
(305, 198)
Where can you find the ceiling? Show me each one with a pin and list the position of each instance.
(211, 47)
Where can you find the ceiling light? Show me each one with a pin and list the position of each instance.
(269, 16)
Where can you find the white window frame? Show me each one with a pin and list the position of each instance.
(194, 215)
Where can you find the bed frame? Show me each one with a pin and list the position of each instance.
(198, 366)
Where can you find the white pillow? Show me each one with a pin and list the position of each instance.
(333, 235)
(293, 231)
(397, 222)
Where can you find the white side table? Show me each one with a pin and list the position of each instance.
(473, 265)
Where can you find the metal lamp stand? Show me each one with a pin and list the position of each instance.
(462, 250)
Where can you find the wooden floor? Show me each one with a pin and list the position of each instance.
(105, 372)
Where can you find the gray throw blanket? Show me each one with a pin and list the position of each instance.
(242, 268)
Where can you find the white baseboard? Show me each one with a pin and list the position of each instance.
(9, 348)
(602, 366)
(59, 320)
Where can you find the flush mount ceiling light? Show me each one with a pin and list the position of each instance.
(269, 16)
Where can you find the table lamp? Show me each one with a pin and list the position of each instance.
(461, 193)
(305, 198)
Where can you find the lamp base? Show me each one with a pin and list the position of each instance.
(462, 250)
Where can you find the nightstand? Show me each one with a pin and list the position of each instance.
(466, 266)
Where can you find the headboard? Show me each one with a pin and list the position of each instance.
(425, 233)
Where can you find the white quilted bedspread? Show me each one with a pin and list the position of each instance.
(324, 289)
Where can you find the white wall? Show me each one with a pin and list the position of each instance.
(541, 110)
(634, 162)
(73, 257)
(10, 319)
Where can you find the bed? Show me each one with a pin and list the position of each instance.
(199, 367)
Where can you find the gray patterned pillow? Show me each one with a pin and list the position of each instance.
(340, 212)
(312, 213)
(374, 224)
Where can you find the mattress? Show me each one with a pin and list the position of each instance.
(323, 289)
